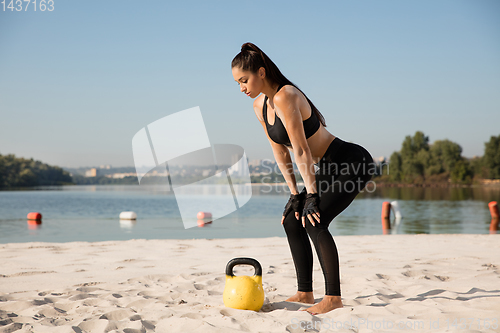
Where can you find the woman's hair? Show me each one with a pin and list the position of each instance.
(251, 58)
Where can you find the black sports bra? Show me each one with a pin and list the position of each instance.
(277, 132)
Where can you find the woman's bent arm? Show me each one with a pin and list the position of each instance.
(305, 164)
(284, 162)
(288, 102)
(280, 152)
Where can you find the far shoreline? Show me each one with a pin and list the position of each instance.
(484, 184)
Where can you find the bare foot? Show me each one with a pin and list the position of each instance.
(327, 304)
(302, 297)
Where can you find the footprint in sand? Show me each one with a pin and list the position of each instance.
(27, 273)
(383, 276)
(118, 314)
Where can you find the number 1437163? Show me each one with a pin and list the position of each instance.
(27, 5)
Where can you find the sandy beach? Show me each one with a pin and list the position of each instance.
(391, 283)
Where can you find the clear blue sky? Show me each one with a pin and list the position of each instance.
(77, 83)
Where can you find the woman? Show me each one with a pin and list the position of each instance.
(293, 123)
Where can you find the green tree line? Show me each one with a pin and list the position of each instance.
(21, 172)
(420, 162)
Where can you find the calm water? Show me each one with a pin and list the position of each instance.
(90, 213)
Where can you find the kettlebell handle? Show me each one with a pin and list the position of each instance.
(243, 261)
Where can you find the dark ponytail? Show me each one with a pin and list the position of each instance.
(251, 58)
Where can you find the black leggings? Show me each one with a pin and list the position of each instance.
(343, 172)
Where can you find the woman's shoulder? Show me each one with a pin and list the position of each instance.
(288, 95)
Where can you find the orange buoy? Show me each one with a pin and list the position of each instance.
(385, 217)
(386, 210)
(494, 225)
(202, 223)
(34, 224)
(494, 210)
(34, 216)
(204, 215)
(386, 226)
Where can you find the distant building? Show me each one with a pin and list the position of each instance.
(163, 173)
(122, 175)
(239, 167)
(91, 173)
(254, 163)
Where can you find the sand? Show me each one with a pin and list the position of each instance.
(390, 283)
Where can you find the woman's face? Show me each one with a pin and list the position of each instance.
(250, 83)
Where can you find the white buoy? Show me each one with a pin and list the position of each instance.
(128, 216)
(127, 225)
(395, 209)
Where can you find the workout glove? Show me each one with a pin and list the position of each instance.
(295, 203)
(311, 207)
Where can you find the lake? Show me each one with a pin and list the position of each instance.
(91, 213)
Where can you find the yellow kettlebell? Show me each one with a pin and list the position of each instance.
(243, 292)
